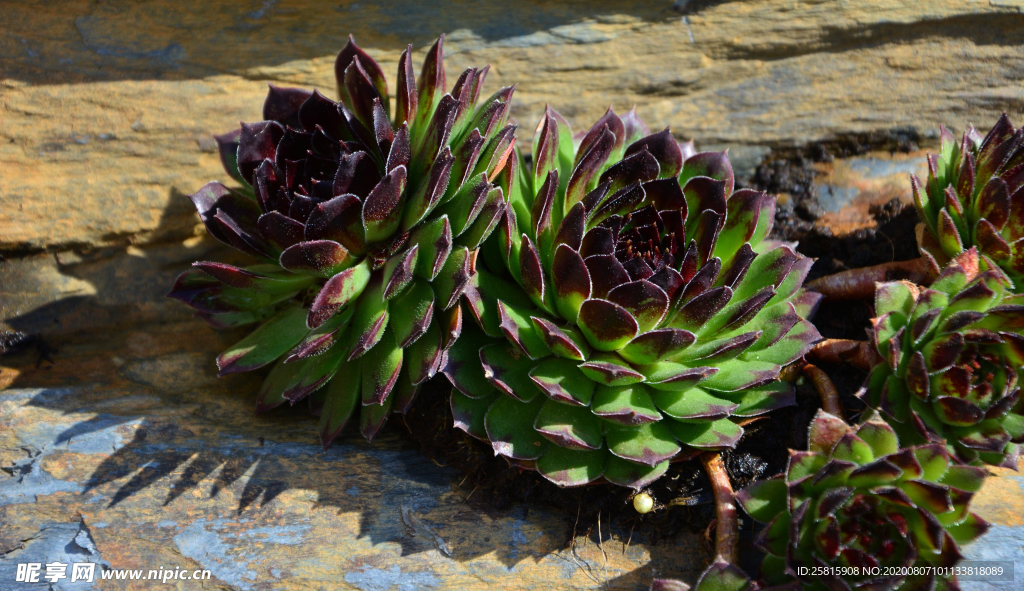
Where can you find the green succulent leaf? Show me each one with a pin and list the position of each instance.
(509, 371)
(562, 381)
(647, 443)
(693, 404)
(764, 500)
(717, 434)
(468, 414)
(626, 405)
(722, 576)
(343, 394)
(570, 467)
(569, 426)
(267, 343)
(509, 426)
(632, 475)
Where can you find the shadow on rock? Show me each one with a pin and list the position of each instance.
(165, 42)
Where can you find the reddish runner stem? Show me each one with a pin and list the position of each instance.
(726, 523)
(792, 371)
(858, 284)
(826, 389)
(860, 354)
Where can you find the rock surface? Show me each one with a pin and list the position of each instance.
(126, 451)
(106, 126)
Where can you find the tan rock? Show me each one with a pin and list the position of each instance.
(107, 126)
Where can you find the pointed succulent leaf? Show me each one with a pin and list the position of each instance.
(942, 352)
(545, 152)
(379, 369)
(665, 150)
(934, 462)
(398, 272)
(880, 436)
(411, 313)
(425, 355)
(488, 219)
(646, 302)
(569, 467)
(650, 347)
(342, 394)
(715, 165)
(431, 191)
(666, 375)
(313, 373)
(463, 363)
(607, 326)
(737, 374)
(517, 327)
(571, 282)
(508, 370)
(252, 278)
(466, 205)
(321, 339)
(369, 320)
(609, 369)
(265, 344)
(587, 167)
(719, 434)
(509, 426)
(965, 478)
(453, 278)
(825, 432)
(721, 576)
(794, 345)
(433, 240)
(337, 293)
(562, 381)
(627, 405)
(877, 473)
(563, 341)
(271, 392)
(647, 443)
(382, 209)
(569, 426)
(372, 418)
(693, 404)
(764, 500)
(468, 414)
(339, 220)
(632, 475)
(531, 273)
(851, 448)
(762, 399)
(406, 97)
(636, 168)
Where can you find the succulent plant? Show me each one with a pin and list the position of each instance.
(365, 224)
(629, 304)
(973, 197)
(721, 576)
(858, 501)
(952, 354)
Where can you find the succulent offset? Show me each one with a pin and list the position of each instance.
(858, 500)
(952, 356)
(973, 197)
(364, 223)
(629, 306)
